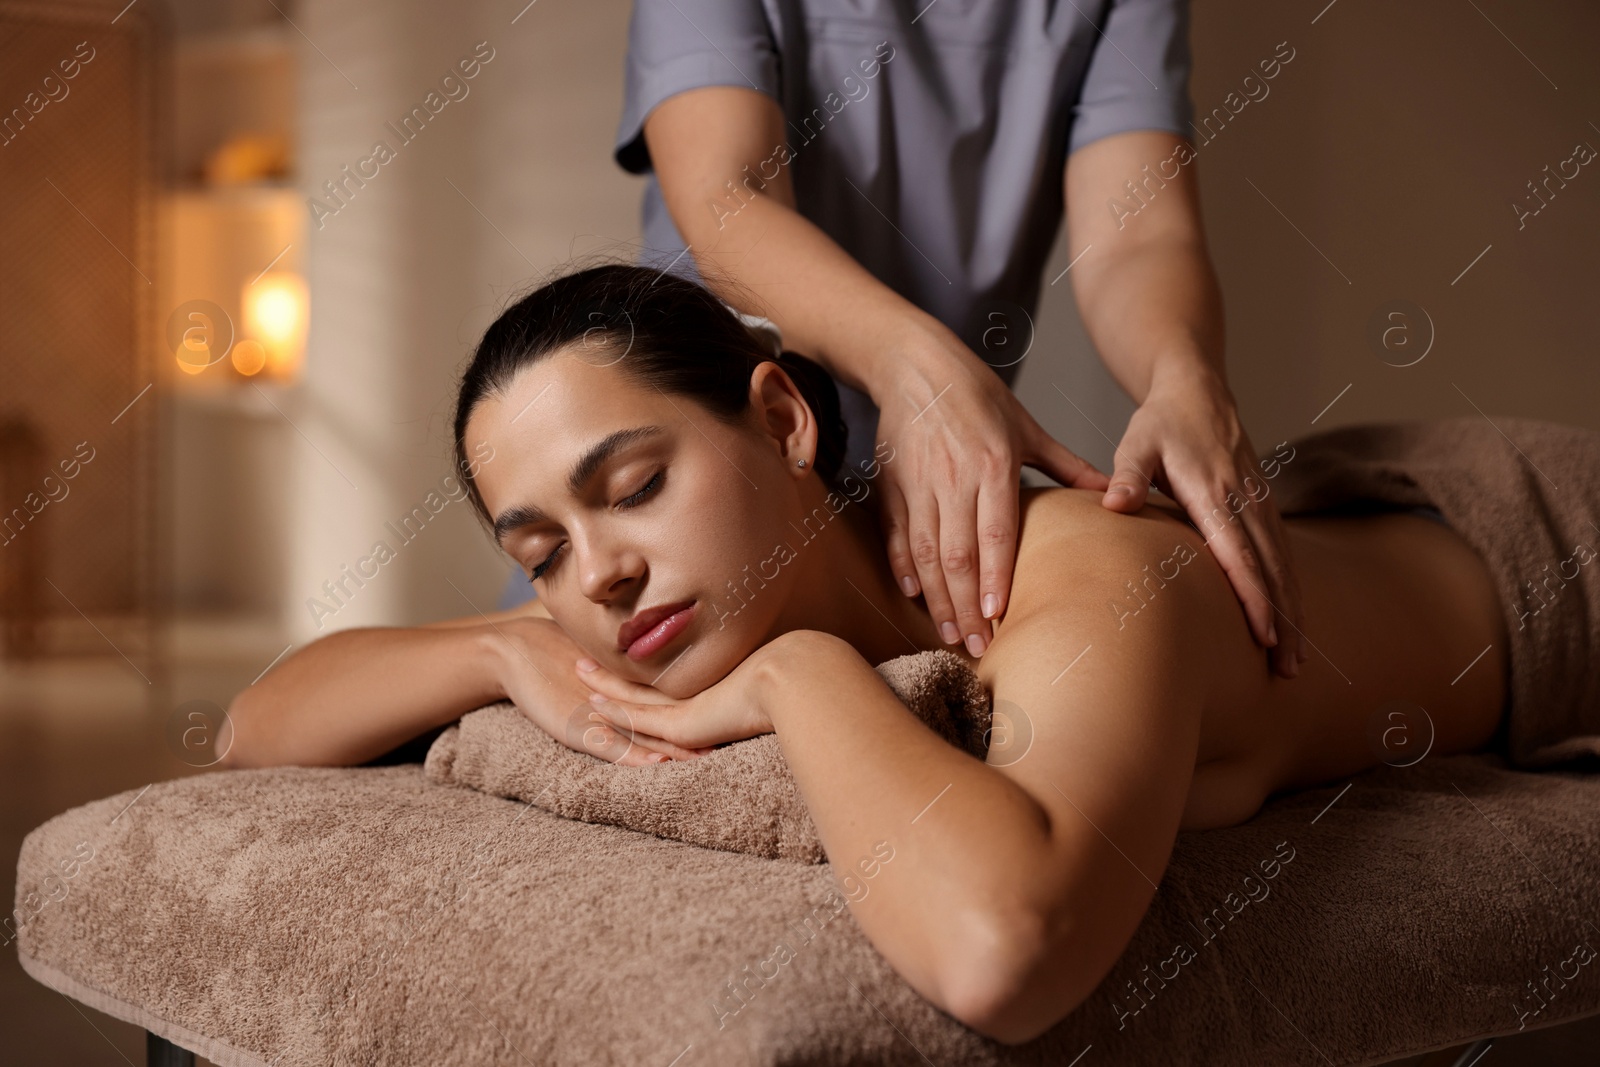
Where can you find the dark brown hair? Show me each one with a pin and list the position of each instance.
(662, 330)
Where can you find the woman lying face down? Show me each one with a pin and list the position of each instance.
(676, 497)
(706, 572)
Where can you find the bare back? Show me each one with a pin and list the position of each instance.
(1408, 645)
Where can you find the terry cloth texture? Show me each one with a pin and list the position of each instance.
(1526, 496)
(740, 797)
(311, 916)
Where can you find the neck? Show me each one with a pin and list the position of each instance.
(846, 588)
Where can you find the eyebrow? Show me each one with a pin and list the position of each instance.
(582, 471)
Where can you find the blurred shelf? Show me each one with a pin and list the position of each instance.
(253, 194)
(261, 42)
(251, 639)
(265, 399)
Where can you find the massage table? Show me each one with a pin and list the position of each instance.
(367, 915)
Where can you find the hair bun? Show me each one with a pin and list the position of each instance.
(764, 330)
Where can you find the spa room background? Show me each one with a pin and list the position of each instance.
(1398, 164)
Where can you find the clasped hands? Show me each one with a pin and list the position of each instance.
(731, 709)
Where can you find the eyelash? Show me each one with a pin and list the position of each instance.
(631, 501)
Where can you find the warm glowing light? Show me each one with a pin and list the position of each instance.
(276, 309)
(275, 313)
(249, 357)
(194, 355)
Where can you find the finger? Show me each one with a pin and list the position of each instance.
(1231, 547)
(1246, 530)
(1061, 463)
(897, 537)
(634, 748)
(660, 746)
(1130, 479)
(670, 726)
(635, 753)
(690, 726)
(925, 552)
(640, 749)
(997, 541)
(604, 680)
(1270, 544)
(603, 741)
(958, 555)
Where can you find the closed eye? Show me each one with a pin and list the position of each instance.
(636, 499)
(633, 500)
(539, 569)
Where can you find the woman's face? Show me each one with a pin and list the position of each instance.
(626, 504)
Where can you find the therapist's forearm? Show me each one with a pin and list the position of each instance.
(1153, 309)
(827, 305)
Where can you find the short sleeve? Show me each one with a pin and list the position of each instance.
(677, 45)
(1138, 76)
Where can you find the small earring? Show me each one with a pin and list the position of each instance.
(799, 463)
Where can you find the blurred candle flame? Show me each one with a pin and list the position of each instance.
(276, 310)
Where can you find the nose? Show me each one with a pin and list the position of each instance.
(606, 566)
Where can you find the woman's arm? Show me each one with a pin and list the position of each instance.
(356, 694)
(352, 696)
(1013, 889)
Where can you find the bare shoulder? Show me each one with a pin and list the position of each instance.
(1086, 574)
(1068, 536)
(1138, 587)
(1054, 505)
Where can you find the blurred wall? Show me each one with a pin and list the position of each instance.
(1380, 165)
(1376, 166)
(76, 131)
(502, 185)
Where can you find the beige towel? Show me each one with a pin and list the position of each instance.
(740, 798)
(361, 916)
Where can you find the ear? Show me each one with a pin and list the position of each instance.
(780, 410)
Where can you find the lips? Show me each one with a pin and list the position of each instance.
(645, 621)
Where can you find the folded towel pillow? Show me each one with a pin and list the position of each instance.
(739, 798)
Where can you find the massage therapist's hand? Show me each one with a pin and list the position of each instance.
(1187, 439)
(730, 710)
(535, 672)
(950, 491)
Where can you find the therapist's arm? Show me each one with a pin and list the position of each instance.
(949, 497)
(1151, 304)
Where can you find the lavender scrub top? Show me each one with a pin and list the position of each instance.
(929, 140)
